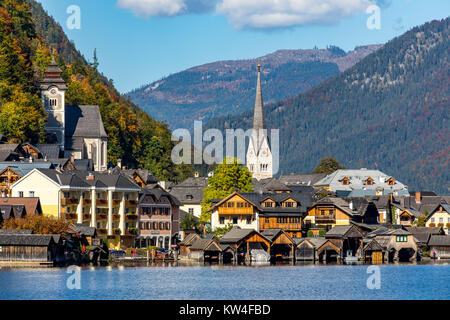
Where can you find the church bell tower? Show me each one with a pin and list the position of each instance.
(53, 89)
(259, 155)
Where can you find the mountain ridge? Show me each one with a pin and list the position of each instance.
(224, 87)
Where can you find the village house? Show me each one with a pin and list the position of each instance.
(105, 201)
(397, 244)
(423, 234)
(282, 246)
(329, 212)
(439, 217)
(190, 193)
(261, 211)
(158, 219)
(440, 246)
(19, 207)
(360, 183)
(349, 239)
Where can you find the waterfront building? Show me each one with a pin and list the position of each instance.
(28, 247)
(348, 238)
(105, 201)
(261, 211)
(362, 182)
(397, 244)
(158, 219)
(439, 217)
(190, 193)
(316, 249)
(440, 246)
(244, 241)
(329, 212)
(259, 155)
(282, 246)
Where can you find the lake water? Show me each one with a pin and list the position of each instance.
(285, 282)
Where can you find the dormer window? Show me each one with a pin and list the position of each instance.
(345, 181)
(369, 181)
(189, 196)
(391, 181)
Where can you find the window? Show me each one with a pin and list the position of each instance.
(53, 102)
(249, 220)
(31, 194)
(235, 220)
(441, 220)
(191, 210)
(432, 220)
(330, 212)
(20, 194)
(222, 220)
(402, 238)
(267, 220)
(322, 212)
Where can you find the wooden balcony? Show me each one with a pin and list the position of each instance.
(116, 202)
(132, 216)
(131, 203)
(238, 211)
(116, 216)
(69, 201)
(86, 216)
(87, 202)
(70, 216)
(101, 202)
(325, 219)
(102, 216)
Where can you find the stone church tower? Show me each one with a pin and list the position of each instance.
(259, 155)
(78, 130)
(53, 89)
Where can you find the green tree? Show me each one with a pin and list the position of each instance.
(328, 166)
(228, 177)
(189, 222)
(23, 118)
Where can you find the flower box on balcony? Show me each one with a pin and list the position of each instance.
(102, 216)
(117, 231)
(116, 216)
(132, 216)
(102, 231)
(86, 216)
(70, 216)
(132, 231)
(130, 202)
(102, 202)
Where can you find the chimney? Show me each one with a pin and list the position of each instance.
(396, 193)
(196, 174)
(418, 197)
(31, 159)
(350, 205)
(72, 158)
(58, 169)
(119, 163)
(90, 176)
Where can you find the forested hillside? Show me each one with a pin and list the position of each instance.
(389, 111)
(28, 38)
(228, 87)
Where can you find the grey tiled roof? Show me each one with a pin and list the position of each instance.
(22, 168)
(51, 151)
(357, 180)
(83, 229)
(202, 244)
(236, 234)
(25, 239)
(308, 179)
(82, 122)
(16, 231)
(439, 241)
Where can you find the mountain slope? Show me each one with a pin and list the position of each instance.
(227, 87)
(390, 110)
(28, 37)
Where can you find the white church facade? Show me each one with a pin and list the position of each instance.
(259, 156)
(78, 130)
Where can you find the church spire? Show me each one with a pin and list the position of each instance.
(259, 121)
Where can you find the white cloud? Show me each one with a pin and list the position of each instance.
(147, 8)
(266, 14)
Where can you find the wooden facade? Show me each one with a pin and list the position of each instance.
(7, 178)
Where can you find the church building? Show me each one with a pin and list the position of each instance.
(259, 155)
(78, 130)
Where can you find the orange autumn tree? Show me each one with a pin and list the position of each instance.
(39, 224)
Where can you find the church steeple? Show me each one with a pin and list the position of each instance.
(259, 156)
(259, 121)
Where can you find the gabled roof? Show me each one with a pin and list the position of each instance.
(205, 244)
(344, 232)
(157, 194)
(315, 242)
(190, 191)
(16, 231)
(51, 151)
(83, 229)
(357, 180)
(22, 168)
(32, 205)
(25, 240)
(439, 241)
(237, 234)
(189, 239)
(82, 122)
(308, 179)
(373, 245)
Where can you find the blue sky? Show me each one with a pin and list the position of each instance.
(140, 41)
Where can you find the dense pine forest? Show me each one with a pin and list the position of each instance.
(28, 39)
(390, 111)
